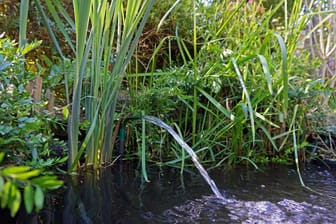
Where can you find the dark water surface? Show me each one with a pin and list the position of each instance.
(269, 195)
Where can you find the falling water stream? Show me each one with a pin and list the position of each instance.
(184, 145)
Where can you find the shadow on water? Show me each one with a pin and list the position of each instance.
(273, 195)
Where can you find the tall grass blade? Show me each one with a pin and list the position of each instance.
(296, 147)
(247, 95)
(24, 8)
(59, 23)
(284, 74)
(82, 14)
(49, 30)
(143, 148)
(228, 19)
(267, 73)
(167, 14)
(222, 109)
(182, 151)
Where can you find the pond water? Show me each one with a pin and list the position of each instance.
(268, 195)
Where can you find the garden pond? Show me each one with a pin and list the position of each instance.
(120, 195)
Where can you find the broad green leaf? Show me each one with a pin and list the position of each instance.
(29, 198)
(48, 182)
(39, 198)
(52, 184)
(15, 200)
(41, 179)
(15, 170)
(5, 129)
(25, 175)
(5, 194)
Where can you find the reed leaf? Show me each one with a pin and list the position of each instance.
(106, 34)
(167, 14)
(49, 30)
(284, 74)
(247, 95)
(268, 135)
(183, 156)
(227, 113)
(295, 146)
(59, 23)
(24, 8)
(267, 73)
(143, 148)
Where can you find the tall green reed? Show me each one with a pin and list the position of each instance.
(107, 33)
(112, 38)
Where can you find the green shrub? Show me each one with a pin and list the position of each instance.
(24, 133)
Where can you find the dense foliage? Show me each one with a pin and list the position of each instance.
(234, 78)
(25, 135)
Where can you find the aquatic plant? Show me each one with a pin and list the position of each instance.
(106, 37)
(237, 88)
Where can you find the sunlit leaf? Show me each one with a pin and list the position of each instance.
(30, 47)
(29, 198)
(267, 73)
(48, 182)
(5, 194)
(25, 175)
(39, 198)
(15, 200)
(12, 170)
(65, 112)
(284, 72)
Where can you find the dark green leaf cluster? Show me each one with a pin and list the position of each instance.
(15, 178)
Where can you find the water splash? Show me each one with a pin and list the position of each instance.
(184, 145)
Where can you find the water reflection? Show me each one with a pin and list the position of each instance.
(111, 196)
(273, 195)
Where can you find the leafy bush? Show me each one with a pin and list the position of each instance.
(24, 133)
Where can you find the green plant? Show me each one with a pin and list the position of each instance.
(107, 34)
(13, 179)
(237, 88)
(24, 134)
